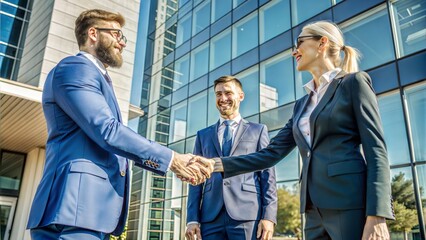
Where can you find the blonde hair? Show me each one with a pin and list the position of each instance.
(336, 44)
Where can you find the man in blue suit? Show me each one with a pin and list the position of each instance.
(239, 207)
(84, 191)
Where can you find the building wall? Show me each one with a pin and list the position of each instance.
(253, 40)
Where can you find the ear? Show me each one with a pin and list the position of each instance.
(92, 34)
(323, 42)
(241, 95)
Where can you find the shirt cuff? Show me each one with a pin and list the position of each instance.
(171, 161)
(193, 222)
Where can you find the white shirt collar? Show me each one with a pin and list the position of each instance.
(326, 78)
(95, 61)
(237, 119)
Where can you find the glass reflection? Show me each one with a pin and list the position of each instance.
(197, 113)
(410, 25)
(220, 8)
(289, 223)
(199, 61)
(181, 74)
(394, 128)
(302, 10)
(213, 113)
(360, 32)
(201, 17)
(220, 49)
(416, 105)
(276, 81)
(250, 81)
(404, 204)
(177, 122)
(274, 19)
(183, 29)
(245, 35)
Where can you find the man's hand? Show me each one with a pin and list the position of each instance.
(375, 228)
(192, 174)
(191, 230)
(203, 166)
(265, 230)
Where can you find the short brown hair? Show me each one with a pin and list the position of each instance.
(90, 18)
(228, 78)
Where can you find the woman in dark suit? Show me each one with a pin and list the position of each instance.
(344, 193)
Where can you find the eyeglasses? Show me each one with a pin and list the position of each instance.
(299, 42)
(117, 33)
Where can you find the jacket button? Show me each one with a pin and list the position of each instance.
(122, 173)
(308, 154)
(226, 183)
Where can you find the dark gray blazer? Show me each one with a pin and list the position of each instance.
(335, 172)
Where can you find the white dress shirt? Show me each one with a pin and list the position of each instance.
(316, 97)
(222, 127)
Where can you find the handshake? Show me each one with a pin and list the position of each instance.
(194, 169)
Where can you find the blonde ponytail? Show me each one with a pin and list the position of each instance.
(336, 44)
(350, 61)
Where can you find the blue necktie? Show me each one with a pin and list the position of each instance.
(227, 138)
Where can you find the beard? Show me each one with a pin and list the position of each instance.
(228, 111)
(105, 51)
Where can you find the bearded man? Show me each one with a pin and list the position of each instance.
(84, 191)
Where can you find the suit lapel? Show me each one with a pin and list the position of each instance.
(323, 102)
(297, 115)
(114, 98)
(240, 132)
(214, 138)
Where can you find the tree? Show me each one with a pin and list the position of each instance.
(288, 216)
(404, 205)
(123, 236)
(406, 219)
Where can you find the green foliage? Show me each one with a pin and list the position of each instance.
(288, 216)
(406, 218)
(403, 191)
(123, 236)
(404, 204)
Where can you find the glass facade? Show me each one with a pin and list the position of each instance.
(252, 40)
(14, 16)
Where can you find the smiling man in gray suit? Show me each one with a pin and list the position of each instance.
(243, 206)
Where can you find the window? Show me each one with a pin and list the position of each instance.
(197, 113)
(201, 17)
(303, 10)
(288, 213)
(394, 128)
(250, 81)
(220, 8)
(12, 166)
(409, 25)
(404, 203)
(181, 74)
(370, 33)
(220, 49)
(421, 175)
(274, 19)
(245, 35)
(416, 106)
(213, 113)
(276, 81)
(199, 61)
(183, 30)
(177, 122)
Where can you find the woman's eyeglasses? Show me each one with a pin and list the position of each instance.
(299, 40)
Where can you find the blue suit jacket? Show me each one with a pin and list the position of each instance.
(335, 174)
(250, 196)
(85, 181)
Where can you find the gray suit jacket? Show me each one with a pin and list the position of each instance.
(335, 173)
(250, 196)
